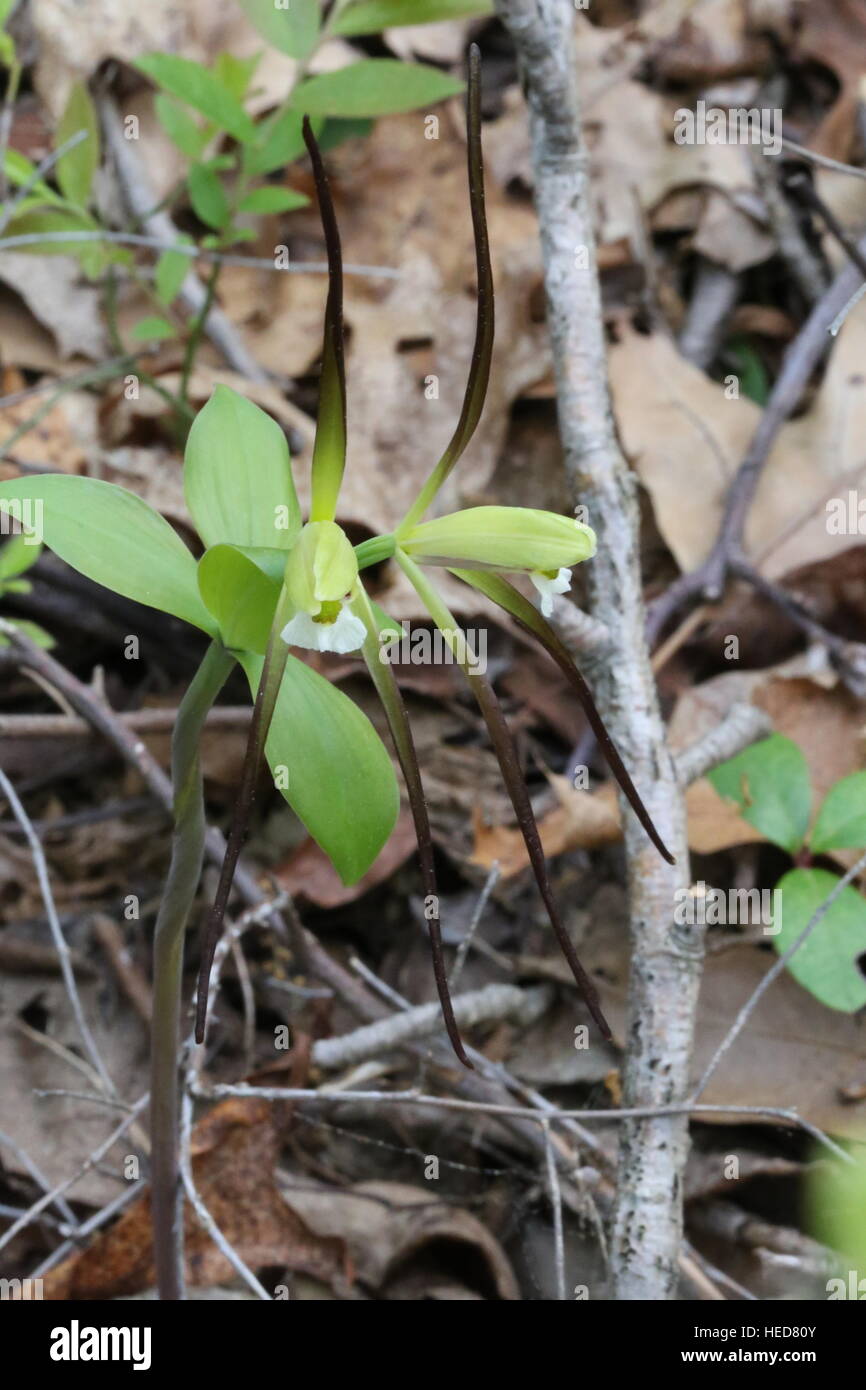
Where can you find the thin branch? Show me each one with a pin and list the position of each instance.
(57, 936)
(556, 1207)
(775, 971)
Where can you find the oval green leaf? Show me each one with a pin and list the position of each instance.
(237, 475)
(112, 537)
(827, 962)
(841, 822)
(374, 87)
(239, 595)
(770, 784)
(341, 781)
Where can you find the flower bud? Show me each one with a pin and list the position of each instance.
(504, 538)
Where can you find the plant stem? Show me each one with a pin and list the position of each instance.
(181, 884)
(197, 328)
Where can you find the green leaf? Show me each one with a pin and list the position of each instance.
(180, 127)
(841, 822)
(171, 270)
(36, 634)
(271, 199)
(754, 382)
(208, 196)
(199, 88)
(279, 141)
(826, 963)
(372, 16)
(238, 477)
(152, 329)
(374, 87)
(239, 595)
(336, 129)
(93, 255)
(235, 73)
(19, 170)
(836, 1194)
(17, 555)
(340, 779)
(76, 168)
(292, 26)
(112, 537)
(770, 784)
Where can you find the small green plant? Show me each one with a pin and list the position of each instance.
(16, 558)
(771, 786)
(231, 156)
(267, 582)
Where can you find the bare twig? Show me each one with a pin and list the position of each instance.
(556, 1207)
(57, 933)
(775, 971)
(743, 725)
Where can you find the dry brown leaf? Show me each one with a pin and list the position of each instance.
(235, 1149)
(685, 439)
(309, 874)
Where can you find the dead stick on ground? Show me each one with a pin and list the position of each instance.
(665, 970)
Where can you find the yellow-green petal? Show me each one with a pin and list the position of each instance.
(506, 538)
(322, 567)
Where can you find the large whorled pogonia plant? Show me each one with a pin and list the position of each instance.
(267, 582)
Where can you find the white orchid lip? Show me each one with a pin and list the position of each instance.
(549, 585)
(345, 634)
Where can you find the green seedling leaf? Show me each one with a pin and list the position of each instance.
(19, 170)
(754, 382)
(827, 962)
(374, 87)
(16, 557)
(279, 141)
(271, 199)
(180, 127)
(841, 822)
(112, 537)
(239, 595)
(372, 16)
(238, 477)
(341, 782)
(93, 256)
(152, 329)
(208, 197)
(235, 73)
(292, 26)
(37, 634)
(837, 1202)
(171, 270)
(770, 784)
(336, 129)
(199, 88)
(76, 168)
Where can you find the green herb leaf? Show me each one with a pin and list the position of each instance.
(17, 555)
(112, 537)
(770, 784)
(238, 477)
(76, 168)
(199, 88)
(152, 329)
(374, 87)
(292, 26)
(171, 270)
(239, 595)
(826, 963)
(279, 141)
(340, 779)
(235, 73)
(208, 197)
(372, 16)
(180, 127)
(272, 199)
(841, 822)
